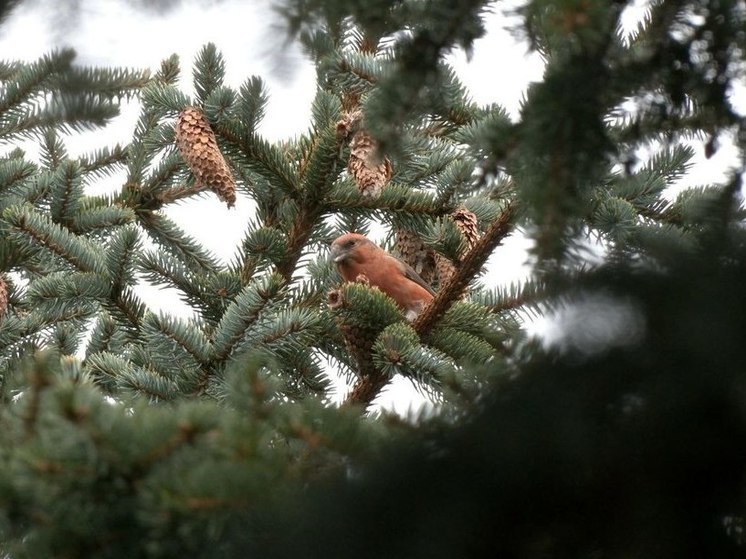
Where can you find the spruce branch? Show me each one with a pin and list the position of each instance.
(244, 312)
(67, 189)
(366, 388)
(39, 376)
(185, 435)
(179, 192)
(394, 198)
(126, 306)
(15, 171)
(314, 207)
(261, 157)
(530, 295)
(31, 78)
(465, 271)
(103, 160)
(38, 230)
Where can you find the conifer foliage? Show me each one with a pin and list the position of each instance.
(126, 432)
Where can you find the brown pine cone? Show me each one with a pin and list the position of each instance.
(466, 221)
(413, 251)
(199, 148)
(370, 171)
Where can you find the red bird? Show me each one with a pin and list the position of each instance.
(356, 255)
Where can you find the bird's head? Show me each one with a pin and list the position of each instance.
(345, 246)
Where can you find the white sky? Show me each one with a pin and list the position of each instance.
(111, 33)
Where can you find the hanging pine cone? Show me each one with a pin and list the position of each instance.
(466, 221)
(3, 297)
(371, 172)
(349, 122)
(413, 251)
(199, 148)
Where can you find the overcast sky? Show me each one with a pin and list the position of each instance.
(112, 33)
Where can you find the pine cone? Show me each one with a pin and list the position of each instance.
(370, 171)
(466, 221)
(199, 148)
(413, 251)
(349, 123)
(444, 269)
(358, 338)
(3, 297)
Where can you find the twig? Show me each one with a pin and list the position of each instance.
(466, 270)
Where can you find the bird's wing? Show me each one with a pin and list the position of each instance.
(409, 273)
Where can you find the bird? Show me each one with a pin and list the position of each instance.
(355, 255)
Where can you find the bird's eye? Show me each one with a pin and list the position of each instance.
(350, 243)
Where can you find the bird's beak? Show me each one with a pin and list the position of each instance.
(338, 254)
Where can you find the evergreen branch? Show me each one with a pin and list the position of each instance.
(359, 71)
(140, 151)
(252, 102)
(13, 171)
(174, 240)
(366, 388)
(187, 336)
(461, 346)
(286, 336)
(34, 191)
(76, 114)
(60, 310)
(29, 79)
(67, 189)
(179, 192)
(106, 366)
(13, 330)
(128, 308)
(163, 174)
(53, 150)
(298, 236)
(103, 335)
(465, 272)
(124, 244)
(219, 104)
(147, 383)
(362, 313)
(162, 268)
(161, 99)
(398, 350)
(318, 176)
(65, 285)
(103, 83)
(101, 161)
(512, 297)
(209, 71)
(101, 218)
(322, 162)
(9, 69)
(245, 310)
(29, 226)
(394, 198)
(417, 62)
(259, 155)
